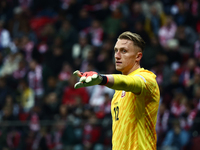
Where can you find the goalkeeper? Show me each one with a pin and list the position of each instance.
(135, 102)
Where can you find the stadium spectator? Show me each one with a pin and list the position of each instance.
(154, 22)
(162, 124)
(148, 4)
(80, 50)
(71, 96)
(27, 96)
(94, 33)
(186, 37)
(139, 29)
(66, 72)
(14, 140)
(27, 46)
(91, 133)
(97, 97)
(84, 20)
(151, 52)
(187, 117)
(50, 106)
(167, 31)
(112, 23)
(136, 14)
(176, 138)
(183, 17)
(5, 38)
(4, 91)
(52, 85)
(10, 64)
(187, 74)
(55, 59)
(68, 35)
(178, 103)
(22, 70)
(35, 78)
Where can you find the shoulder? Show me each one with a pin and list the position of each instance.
(146, 71)
(148, 77)
(146, 74)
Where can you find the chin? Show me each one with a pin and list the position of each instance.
(118, 69)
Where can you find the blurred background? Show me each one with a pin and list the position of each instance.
(43, 41)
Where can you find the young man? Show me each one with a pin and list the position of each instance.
(135, 102)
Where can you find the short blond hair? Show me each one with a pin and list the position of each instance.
(136, 38)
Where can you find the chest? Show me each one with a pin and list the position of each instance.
(123, 105)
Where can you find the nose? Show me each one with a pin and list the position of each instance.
(117, 55)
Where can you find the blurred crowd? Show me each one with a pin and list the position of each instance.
(43, 41)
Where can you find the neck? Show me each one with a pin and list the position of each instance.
(135, 67)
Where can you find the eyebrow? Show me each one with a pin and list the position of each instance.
(120, 48)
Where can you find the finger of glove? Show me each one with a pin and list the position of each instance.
(77, 73)
(94, 76)
(82, 79)
(88, 79)
(78, 85)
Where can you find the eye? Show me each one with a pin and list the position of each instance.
(124, 51)
(115, 50)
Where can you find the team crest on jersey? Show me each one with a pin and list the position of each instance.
(123, 94)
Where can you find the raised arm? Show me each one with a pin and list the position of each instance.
(117, 82)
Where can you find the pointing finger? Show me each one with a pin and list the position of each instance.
(77, 73)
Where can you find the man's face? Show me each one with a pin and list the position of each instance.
(126, 56)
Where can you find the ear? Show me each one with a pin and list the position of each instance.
(139, 56)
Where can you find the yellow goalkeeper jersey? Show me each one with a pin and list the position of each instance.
(134, 115)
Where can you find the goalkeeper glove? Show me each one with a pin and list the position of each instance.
(89, 79)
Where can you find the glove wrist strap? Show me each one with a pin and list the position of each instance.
(104, 80)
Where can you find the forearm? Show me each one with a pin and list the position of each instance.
(127, 83)
(110, 81)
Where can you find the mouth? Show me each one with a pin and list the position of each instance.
(118, 62)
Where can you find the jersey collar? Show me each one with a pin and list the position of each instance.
(136, 71)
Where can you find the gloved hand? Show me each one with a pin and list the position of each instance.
(89, 79)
